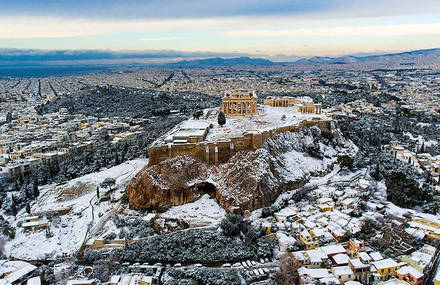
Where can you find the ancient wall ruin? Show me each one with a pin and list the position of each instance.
(221, 151)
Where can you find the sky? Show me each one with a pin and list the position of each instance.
(276, 29)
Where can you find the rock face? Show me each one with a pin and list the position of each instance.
(247, 181)
(250, 180)
(167, 184)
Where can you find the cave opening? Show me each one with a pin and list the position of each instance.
(208, 188)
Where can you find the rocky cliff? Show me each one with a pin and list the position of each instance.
(247, 181)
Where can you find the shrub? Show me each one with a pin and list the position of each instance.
(327, 135)
(345, 161)
(221, 119)
(232, 224)
(315, 151)
(404, 191)
(192, 246)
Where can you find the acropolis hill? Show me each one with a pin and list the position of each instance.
(247, 126)
(260, 152)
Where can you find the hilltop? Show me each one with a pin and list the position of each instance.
(409, 58)
(218, 61)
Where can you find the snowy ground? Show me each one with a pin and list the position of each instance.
(204, 212)
(299, 165)
(420, 139)
(267, 118)
(69, 230)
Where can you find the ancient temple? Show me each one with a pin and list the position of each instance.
(284, 101)
(304, 104)
(239, 103)
(310, 108)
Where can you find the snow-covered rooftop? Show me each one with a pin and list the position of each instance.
(385, 263)
(314, 273)
(342, 270)
(14, 270)
(409, 270)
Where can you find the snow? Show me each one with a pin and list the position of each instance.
(384, 263)
(397, 211)
(333, 249)
(376, 256)
(284, 240)
(203, 212)
(298, 165)
(267, 118)
(352, 283)
(420, 139)
(428, 217)
(14, 270)
(341, 258)
(437, 275)
(70, 231)
(34, 281)
(313, 273)
(342, 270)
(409, 270)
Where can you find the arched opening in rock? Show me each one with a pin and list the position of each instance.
(206, 187)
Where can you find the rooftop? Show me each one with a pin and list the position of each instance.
(410, 270)
(385, 263)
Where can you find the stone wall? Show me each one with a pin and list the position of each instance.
(221, 151)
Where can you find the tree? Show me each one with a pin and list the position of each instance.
(367, 226)
(13, 206)
(117, 158)
(221, 119)
(287, 272)
(376, 175)
(108, 183)
(327, 135)
(9, 117)
(197, 114)
(27, 194)
(97, 191)
(345, 161)
(36, 192)
(404, 191)
(314, 151)
(232, 224)
(283, 117)
(102, 269)
(28, 208)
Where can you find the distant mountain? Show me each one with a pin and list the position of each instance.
(218, 61)
(46, 56)
(415, 57)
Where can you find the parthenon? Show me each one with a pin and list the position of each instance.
(239, 103)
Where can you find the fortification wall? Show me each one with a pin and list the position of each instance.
(221, 151)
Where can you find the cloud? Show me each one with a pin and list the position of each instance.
(199, 9)
(160, 39)
(391, 30)
(270, 27)
(160, 9)
(55, 27)
(74, 55)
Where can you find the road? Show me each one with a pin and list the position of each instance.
(93, 229)
(431, 275)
